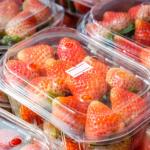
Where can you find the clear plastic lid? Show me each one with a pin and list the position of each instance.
(85, 89)
(15, 134)
(19, 20)
(123, 24)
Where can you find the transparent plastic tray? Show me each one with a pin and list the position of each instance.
(18, 135)
(123, 25)
(20, 20)
(86, 71)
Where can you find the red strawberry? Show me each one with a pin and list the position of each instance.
(68, 110)
(21, 25)
(91, 84)
(21, 71)
(40, 11)
(127, 104)
(101, 121)
(36, 55)
(116, 21)
(29, 116)
(9, 138)
(133, 11)
(145, 57)
(56, 72)
(144, 12)
(118, 77)
(142, 32)
(71, 51)
(81, 8)
(8, 10)
(127, 47)
(71, 145)
(44, 86)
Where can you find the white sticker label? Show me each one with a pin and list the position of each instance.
(79, 69)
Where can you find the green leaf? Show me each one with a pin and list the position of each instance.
(9, 40)
(110, 37)
(133, 89)
(130, 28)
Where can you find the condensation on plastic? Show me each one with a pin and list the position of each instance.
(91, 26)
(27, 133)
(43, 106)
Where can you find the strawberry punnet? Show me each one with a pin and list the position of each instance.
(71, 51)
(8, 10)
(39, 10)
(22, 25)
(127, 104)
(118, 77)
(142, 32)
(101, 121)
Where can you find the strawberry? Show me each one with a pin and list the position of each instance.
(142, 32)
(127, 47)
(69, 111)
(38, 9)
(29, 116)
(9, 138)
(55, 70)
(127, 104)
(145, 57)
(101, 121)
(81, 8)
(118, 77)
(44, 86)
(21, 71)
(36, 55)
(21, 25)
(91, 84)
(133, 11)
(116, 21)
(71, 145)
(71, 51)
(8, 10)
(144, 12)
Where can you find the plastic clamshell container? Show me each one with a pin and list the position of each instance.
(29, 18)
(126, 36)
(17, 134)
(44, 106)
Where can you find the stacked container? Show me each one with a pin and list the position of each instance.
(79, 88)
(19, 20)
(16, 134)
(123, 25)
